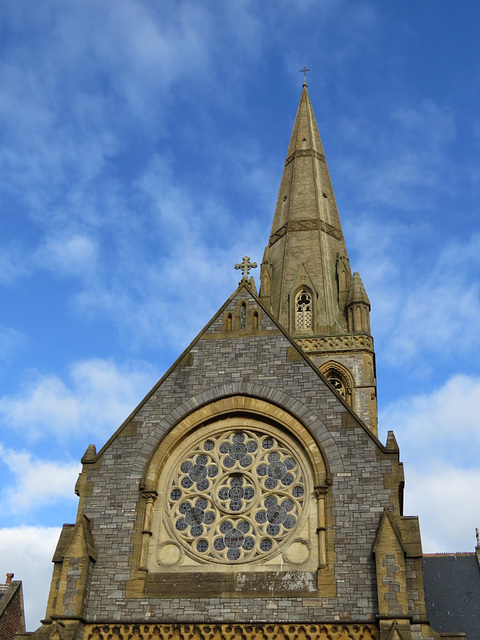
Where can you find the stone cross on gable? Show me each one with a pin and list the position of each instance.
(245, 266)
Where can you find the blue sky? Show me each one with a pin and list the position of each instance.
(142, 146)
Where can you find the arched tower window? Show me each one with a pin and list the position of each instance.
(340, 379)
(303, 309)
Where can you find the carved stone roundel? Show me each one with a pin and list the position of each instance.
(236, 497)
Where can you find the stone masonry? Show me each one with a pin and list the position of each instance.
(248, 497)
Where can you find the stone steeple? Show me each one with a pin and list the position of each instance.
(306, 237)
(306, 280)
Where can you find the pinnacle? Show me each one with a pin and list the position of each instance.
(356, 292)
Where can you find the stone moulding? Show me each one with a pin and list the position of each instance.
(336, 343)
(258, 631)
(305, 225)
(305, 153)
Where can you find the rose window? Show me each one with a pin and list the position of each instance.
(235, 493)
(236, 497)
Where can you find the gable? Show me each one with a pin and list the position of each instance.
(242, 382)
(266, 352)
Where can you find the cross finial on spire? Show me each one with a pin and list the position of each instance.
(305, 71)
(245, 265)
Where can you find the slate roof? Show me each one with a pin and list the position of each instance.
(452, 592)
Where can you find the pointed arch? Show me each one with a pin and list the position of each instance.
(236, 482)
(340, 379)
(303, 309)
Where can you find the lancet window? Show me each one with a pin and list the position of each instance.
(303, 309)
(243, 315)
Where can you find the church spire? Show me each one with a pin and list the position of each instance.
(306, 241)
(306, 280)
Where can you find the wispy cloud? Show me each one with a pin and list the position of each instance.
(407, 163)
(33, 483)
(95, 400)
(27, 552)
(446, 498)
(10, 341)
(439, 437)
(160, 268)
(425, 302)
(68, 255)
(12, 264)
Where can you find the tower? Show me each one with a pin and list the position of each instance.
(306, 279)
(248, 497)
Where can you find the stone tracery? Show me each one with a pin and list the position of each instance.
(231, 632)
(236, 496)
(303, 309)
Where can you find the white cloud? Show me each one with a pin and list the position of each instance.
(446, 499)
(95, 400)
(27, 552)
(449, 416)
(45, 402)
(439, 438)
(34, 483)
(74, 255)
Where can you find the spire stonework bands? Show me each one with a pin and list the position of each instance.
(306, 253)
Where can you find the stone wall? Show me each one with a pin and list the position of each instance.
(253, 363)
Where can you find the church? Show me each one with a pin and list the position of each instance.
(248, 496)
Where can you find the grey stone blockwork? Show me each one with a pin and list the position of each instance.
(253, 364)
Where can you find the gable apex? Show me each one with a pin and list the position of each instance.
(183, 359)
(216, 329)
